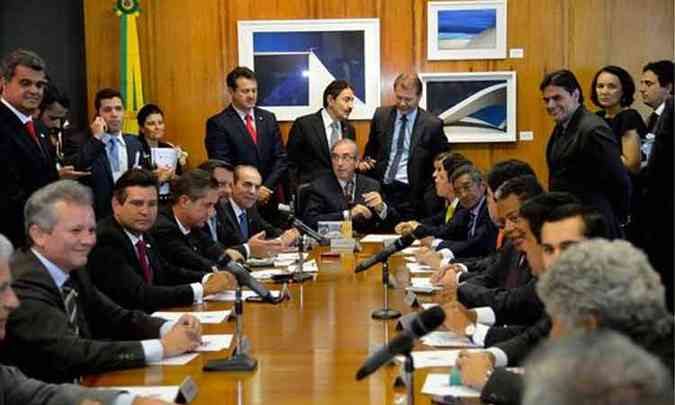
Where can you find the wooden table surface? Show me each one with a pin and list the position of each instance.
(308, 349)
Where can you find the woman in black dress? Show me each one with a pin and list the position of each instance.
(612, 90)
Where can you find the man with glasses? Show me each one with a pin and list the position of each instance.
(344, 194)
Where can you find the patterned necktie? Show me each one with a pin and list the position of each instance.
(349, 192)
(250, 128)
(113, 155)
(471, 225)
(243, 225)
(70, 303)
(400, 142)
(449, 213)
(334, 134)
(143, 260)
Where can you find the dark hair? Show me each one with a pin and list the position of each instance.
(211, 165)
(145, 112)
(565, 79)
(236, 73)
(506, 170)
(627, 85)
(663, 70)
(134, 177)
(334, 89)
(21, 57)
(194, 183)
(453, 161)
(105, 94)
(239, 168)
(53, 95)
(595, 225)
(471, 170)
(408, 80)
(524, 187)
(537, 208)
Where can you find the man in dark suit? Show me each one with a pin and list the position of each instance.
(25, 161)
(656, 85)
(126, 265)
(403, 141)
(343, 194)
(312, 136)
(65, 327)
(243, 134)
(245, 225)
(108, 153)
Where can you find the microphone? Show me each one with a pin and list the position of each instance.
(399, 244)
(425, 322)
(301, 226)
(245, 279)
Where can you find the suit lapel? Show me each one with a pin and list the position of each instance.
(389, 128)
(22, 138)
(239, 126)
(320, 142)
(260, 133)
(229, 211)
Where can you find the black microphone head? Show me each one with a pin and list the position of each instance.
(405, 240)
(427, 321)
(402, 343)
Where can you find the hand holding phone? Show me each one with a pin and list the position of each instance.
(98, 127)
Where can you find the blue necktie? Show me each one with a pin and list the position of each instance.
(400, 142)
(243, 225)
(472, 224)
(113, 156)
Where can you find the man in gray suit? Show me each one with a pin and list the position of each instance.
(16, 388)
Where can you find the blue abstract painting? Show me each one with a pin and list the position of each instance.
(467, 29)
(474, 103)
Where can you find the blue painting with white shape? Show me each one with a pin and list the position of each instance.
(288, 64)
(467, 29)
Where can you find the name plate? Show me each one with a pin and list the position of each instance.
(411, 299)
(342, 245)
(187, 391)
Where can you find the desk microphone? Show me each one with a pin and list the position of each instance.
(398, 245)
(245, 279)
(302, 227)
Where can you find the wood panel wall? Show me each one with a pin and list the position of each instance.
(188, 48)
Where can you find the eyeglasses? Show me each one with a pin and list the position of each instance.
(342, 158)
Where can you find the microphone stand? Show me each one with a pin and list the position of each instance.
(409, 378)
(240, 359)
(386, 312)
(300, 275)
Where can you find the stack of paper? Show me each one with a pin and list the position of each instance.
(447, 339)
(267, 274)
(422, 285)
(416, 268)
(179, 360)
(230, 295)
(436, 358)
(309, 267)
(204, 316)
(290, 256)
(373, 238)
(214, 343)
(166, 393)
(439, 384)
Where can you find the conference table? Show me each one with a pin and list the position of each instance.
(308, 348)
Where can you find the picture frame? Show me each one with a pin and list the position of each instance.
(474, 106)
(295, 60)
(466, 29)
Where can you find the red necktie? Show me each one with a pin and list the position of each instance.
(143, 259)
(249, 127)
(31, 130)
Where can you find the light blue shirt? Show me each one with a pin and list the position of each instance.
(402, 170)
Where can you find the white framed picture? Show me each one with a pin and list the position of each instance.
(466, 29)
(295, 60)
(474, 106)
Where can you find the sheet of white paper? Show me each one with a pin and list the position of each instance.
(439, 384)
(214, 343)
(373, 238)
(423, 283)
(416, 268)
(436, 358)
(289, 256)
(446, 339)
(229, 295)
(309, 267)
(164, 156)
(204, 316)
(176, 360)
(409, 259)
(267, 274)
(428, 305)
(166, 393)
(284, 262)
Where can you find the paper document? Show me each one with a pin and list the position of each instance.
(373, 238)
(267, 274)
(290, 256)
(179, 360)
(204, 316)
(309, 267)
(230, 295)
(214, 343)
(423, 284)
(416, 268)
(436, 358)
(447, 339)
(409, 259)
(428, 305)
(284, 262)
(164, 156)
(410, 250)
(439, 384)
(166, 393)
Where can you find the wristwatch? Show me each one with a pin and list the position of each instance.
(470, 330)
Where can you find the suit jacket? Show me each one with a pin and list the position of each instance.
(195, 251)
(584, 159)
(256, 224)
(480, 290)
(455, 234)
(94, 158)
(227, 139)
(224, 230)
(41, 343)
(24, 168)
(326, 202)
(308, 149)
(19, 389)
(428, 140)
(116, 271)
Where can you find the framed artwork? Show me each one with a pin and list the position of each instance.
(474, 107)
(466, 29)
(295, 60)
